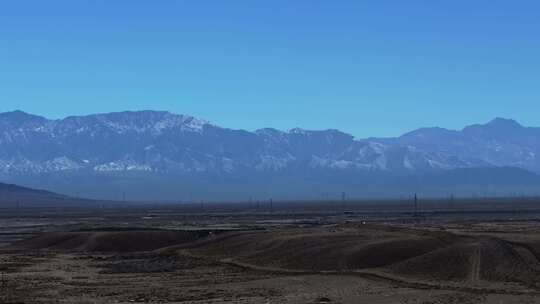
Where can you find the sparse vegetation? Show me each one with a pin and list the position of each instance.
(303, 252)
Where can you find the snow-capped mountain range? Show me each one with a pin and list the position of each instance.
(150, 141)
(160, 155)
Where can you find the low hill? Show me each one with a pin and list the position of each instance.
(13, 196)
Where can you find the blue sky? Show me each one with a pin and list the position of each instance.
(376, 68)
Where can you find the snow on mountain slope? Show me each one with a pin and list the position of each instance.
(150, 141)
(501, 142)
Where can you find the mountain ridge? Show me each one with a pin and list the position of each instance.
(161, 143)
(421, 149)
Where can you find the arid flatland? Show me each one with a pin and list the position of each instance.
(489, 253)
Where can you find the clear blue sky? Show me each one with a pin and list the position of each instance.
(378, 67)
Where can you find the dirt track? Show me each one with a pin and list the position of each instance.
(440, 263)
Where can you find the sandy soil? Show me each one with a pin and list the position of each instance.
(73, 278)
(271, 260)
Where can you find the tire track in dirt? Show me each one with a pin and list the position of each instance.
(373, 276)
(475, 265)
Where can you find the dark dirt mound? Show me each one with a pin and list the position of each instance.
(449, 263)
(486, 259)
(149, 262)
(501, 261)
(111, 241)
(424, 255)
(326, 250)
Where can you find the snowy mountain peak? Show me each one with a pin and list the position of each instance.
(298, 131)
(144, 121)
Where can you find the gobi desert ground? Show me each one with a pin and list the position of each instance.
(382, 252)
